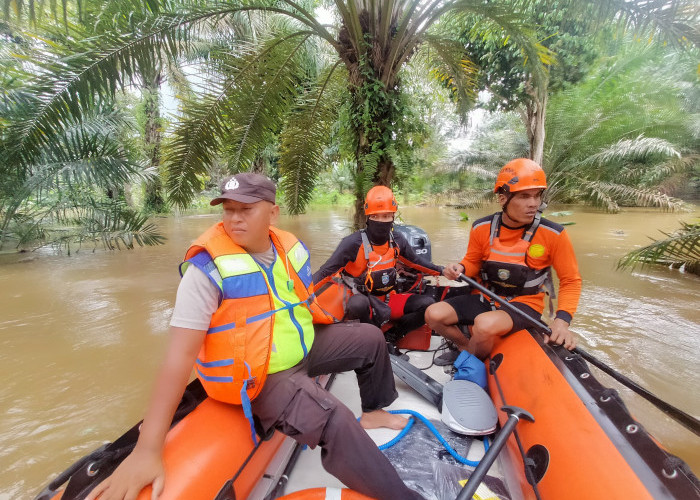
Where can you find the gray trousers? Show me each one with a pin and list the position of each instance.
(294, 404)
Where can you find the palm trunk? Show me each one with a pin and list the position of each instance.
(373, 104)
(154, 200)
(385, 172)
(359, 219)
(534, 118)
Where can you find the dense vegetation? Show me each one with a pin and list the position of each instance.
(112, 111)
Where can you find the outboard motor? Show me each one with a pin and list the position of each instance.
(417, 239)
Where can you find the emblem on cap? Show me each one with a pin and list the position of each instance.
(503, 274)
(231, 184)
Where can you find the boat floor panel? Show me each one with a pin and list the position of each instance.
(308, 471)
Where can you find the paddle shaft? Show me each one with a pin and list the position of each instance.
(514, 416)
(688, 421)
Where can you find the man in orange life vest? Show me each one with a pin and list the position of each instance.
(512, 253)
(366, 262)
(248, 282)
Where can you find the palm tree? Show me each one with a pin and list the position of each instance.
(573, 32)
(275, 73)
(67, 186)
(626, 135)
(613, 139)
(285, 75)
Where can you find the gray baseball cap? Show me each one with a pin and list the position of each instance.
(246, 187)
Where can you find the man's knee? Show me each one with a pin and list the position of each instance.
(419, 302)
(440, 313)
(358, 308)
(340, 422)
(491, 325)
(369, 335)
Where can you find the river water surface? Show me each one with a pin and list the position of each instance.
(81, 337)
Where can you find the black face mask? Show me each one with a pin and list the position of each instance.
(378, 232)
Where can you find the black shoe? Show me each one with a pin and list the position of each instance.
(447, 358)
(393, 349)
(392, 335)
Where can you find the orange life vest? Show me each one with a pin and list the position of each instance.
(506, 270)
(376, 273)
(332, 297)
(243, 336)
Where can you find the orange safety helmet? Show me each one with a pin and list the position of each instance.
(380, 199)
(519, 175)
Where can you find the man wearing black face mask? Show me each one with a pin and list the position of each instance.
(363, 272)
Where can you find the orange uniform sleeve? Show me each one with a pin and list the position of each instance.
(565, 265)
(478, 239)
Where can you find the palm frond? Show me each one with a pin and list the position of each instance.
(66, 85)
(240, 115)
(463, 162)
(679, 249)
(116, 225)
(610, 195)
(620, 133)
(268, 94)
(636, 149)
(305, 136)
(674, 21)
(450, 65)
(508, 22)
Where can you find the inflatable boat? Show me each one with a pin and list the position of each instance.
(543, 427)
(581, 442)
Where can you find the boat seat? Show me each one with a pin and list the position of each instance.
(468, 409)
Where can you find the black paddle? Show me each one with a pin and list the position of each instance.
(514, 416)
(683, 418)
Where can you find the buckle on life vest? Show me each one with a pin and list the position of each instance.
(245, 404)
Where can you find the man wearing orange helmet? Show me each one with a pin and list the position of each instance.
(512, 253)
(365, 264)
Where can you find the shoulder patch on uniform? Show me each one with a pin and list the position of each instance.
(552, 226)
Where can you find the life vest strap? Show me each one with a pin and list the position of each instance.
(537, 280)
(259, 317)
(366, 245)
(495, 228)
(245, 404)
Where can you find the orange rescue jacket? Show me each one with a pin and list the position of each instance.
(235, 356)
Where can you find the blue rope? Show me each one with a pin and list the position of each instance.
(435, 432)
(400, 435)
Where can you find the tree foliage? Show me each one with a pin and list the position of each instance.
(263, 84)
(263, 62)
(625, 129)
(680, 249)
